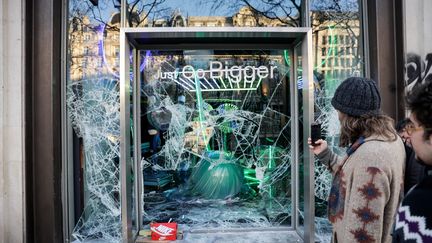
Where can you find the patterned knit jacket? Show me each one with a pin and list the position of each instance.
(414, 217)
(366, 190)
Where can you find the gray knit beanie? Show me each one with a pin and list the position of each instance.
(357, 96)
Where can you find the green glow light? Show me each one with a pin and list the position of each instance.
(252, 178)
(271, 161)
(249, 171)
(270, 167)
(287, 60)
(200, 108)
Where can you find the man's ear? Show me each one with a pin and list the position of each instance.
(429, 141)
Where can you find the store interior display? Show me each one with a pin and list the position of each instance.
(222, 123)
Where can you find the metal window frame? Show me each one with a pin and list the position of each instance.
(43, 121)
(383, 50)
(271, 38)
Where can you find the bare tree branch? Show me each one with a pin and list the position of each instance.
(265, 14)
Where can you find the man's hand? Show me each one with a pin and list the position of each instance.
(320, 145)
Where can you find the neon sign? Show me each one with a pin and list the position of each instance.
(219, 77)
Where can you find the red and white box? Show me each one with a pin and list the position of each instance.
(163, 231)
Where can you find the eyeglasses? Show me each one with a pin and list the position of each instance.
(410, 129)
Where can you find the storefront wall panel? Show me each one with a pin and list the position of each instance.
(12, 198)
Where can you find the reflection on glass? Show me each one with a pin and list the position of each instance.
(94, 45)
(337, 38)
(214, 13)
(216, 138)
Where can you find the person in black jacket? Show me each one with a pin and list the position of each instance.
(414, 217)
(414, 170)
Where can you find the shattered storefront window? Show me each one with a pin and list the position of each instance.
(93, 110)
(216, 138)
(338, 54)
(216, 151)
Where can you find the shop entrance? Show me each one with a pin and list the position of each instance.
(214, 125)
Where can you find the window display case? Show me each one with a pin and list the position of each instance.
(213, 129)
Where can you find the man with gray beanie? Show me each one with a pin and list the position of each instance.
(368, 180)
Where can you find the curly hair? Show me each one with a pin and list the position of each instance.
(366, 125)
(400, 125)
(419, 101)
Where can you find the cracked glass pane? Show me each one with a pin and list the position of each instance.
(92, 101)
(338, 54)
(183, 138)
(93, 106)
(216, 138)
